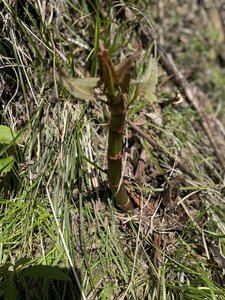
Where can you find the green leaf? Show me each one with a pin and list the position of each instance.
(22, 261)
(11, 290)
(147, 86)
(46, 272)
(82, 88)
(6, 135)
(6, 164)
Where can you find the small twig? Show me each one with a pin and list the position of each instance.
(156, 145)
(158, 259)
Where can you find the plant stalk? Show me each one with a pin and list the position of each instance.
(115, 81)
(115, 152)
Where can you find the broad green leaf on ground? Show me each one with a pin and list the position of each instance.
(11, 289)
(6, 164)
(46, 272)
(6, 135)
(22, 261)
(82, 88)
(147, 87)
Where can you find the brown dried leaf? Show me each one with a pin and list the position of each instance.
(156, 115)
(171, 191)
(218, 257)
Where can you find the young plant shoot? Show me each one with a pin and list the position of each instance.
(114, 81)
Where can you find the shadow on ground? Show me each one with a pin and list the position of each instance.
(37, 282)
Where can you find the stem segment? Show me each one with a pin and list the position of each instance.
(115, 152)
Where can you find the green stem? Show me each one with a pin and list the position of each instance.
(115, 152)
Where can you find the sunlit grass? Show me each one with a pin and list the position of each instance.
(53, 217)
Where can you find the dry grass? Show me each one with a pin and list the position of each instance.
(55, 206)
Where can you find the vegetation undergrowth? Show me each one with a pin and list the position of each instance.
(61, 237)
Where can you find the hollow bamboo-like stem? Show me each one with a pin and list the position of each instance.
(115, 81)
(115, 152)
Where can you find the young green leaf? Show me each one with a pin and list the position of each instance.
(82, 88)
(6, 164)
(6, 135)
(147, 86)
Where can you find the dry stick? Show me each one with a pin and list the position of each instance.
(182, 84)
(155, 144)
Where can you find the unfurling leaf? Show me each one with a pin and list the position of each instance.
(82, 88)
(124, 70)
(107, 72)
(147, 86)
(119, 76)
